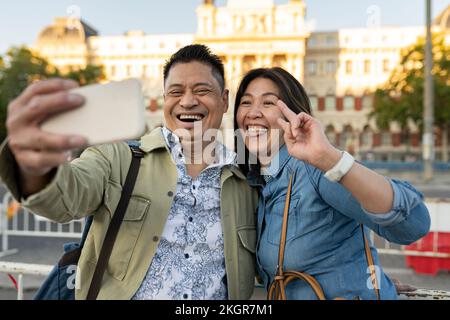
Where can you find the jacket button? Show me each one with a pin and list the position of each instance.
(155, 239)
(170, 194)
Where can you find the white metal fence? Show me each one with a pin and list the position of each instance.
(25, 223)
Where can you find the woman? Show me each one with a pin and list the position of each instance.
(331, 194)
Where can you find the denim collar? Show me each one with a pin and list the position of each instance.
(277, 164)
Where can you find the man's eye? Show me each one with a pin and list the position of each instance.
(175, 93)
(202, 91)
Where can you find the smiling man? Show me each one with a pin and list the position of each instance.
(189, 230)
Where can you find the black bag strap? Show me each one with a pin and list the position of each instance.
(114, 226)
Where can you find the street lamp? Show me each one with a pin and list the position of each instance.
(428, 110)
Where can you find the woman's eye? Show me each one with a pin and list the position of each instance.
(245, 103)
(269, 103)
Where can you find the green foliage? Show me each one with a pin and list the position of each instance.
(89, 75)
(22, 67)
(401, 98)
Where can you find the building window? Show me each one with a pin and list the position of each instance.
(330, 67)
(386, 138)
(144, 71)
(314, 103)
(349, 103)
(248, 63)
(346, 139)
(113, 71)
(367, 66)
(330, 103)
(366, 138)
(348, 67)
(279, 60)
(128, 71)
(367, 102)
(331, 134)
(312, 68)
(386, 66)
(330, 40)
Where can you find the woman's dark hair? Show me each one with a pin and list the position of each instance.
(291, 92)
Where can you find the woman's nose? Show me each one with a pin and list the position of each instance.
(254, 112)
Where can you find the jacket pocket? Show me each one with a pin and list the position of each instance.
(247, 236)
(128, 234)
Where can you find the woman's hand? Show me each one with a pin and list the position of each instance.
(305, 139)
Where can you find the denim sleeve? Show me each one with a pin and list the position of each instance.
(406, 222)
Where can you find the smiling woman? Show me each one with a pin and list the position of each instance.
(315, 200)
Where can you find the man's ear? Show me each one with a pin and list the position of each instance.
(226, 99)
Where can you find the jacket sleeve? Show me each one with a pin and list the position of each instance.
(406, 222)
(76, 190)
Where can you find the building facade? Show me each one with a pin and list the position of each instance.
(340, 69)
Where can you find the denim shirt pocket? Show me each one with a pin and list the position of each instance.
(275, 220)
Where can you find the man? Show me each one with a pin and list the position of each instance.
(189, 230)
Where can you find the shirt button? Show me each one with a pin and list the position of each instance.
(190, 219)
(170, 194)
(185, 296)
(155, 239)
(186, 255)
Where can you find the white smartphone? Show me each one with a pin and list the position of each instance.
(112, 112)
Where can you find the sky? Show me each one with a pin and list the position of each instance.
(21, 20)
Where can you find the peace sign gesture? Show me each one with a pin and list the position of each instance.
(305, 139)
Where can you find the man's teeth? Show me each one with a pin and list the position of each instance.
(191, 117)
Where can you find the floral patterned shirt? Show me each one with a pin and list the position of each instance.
(189, 262)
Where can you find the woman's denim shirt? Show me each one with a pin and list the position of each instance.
(324, 238)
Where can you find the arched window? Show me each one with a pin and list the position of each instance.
(331, 134)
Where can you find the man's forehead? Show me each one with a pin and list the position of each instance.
(191, 73)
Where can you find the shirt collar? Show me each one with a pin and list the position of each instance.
(224, 156)
(276, 165)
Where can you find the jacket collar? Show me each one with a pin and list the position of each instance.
(153, 141)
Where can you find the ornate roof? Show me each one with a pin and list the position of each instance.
(66, 29)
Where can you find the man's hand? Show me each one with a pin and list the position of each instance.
(37, 153)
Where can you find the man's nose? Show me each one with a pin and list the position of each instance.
(188, 100)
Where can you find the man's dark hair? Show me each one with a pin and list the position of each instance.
(199, 53)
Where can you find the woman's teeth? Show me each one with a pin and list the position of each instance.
(252, 130)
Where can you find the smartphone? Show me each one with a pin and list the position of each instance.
(112, 112)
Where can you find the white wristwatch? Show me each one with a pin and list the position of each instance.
(341, 168)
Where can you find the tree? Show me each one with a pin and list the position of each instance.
(401, 98)
(89, 75)
(21, 67)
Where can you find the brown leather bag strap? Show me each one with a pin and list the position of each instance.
(284, 228)
(369, 257)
